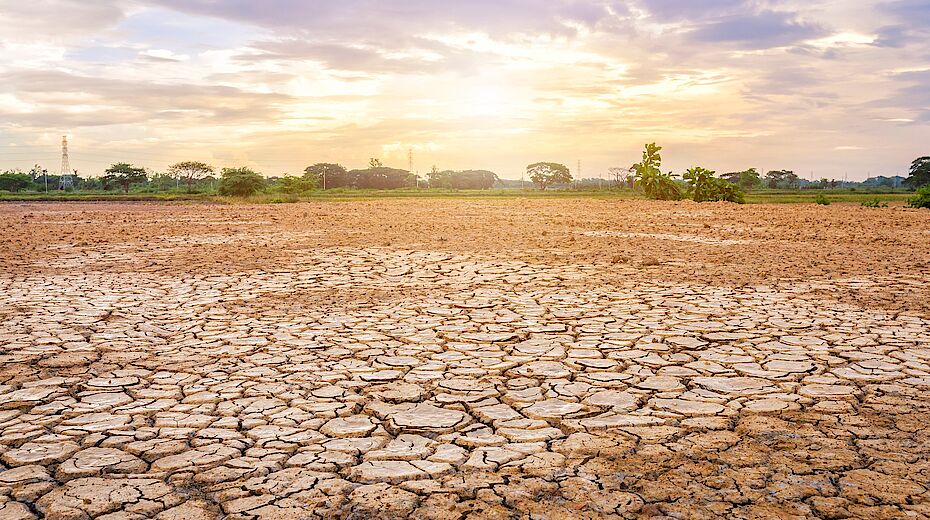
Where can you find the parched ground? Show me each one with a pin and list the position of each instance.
(507, 358)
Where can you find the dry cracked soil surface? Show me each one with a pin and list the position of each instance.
(456, 359)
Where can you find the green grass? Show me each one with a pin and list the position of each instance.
(341, 195)
(835, 196)
(350, 194)
(80, 196)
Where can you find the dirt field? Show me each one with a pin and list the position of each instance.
(455, 359)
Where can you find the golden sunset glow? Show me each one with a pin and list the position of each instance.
(837, 88)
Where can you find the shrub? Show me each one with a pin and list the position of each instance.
(874, 203)
(822, 199)
(704, 187)
(295, 185)
(921, 198)
(241, 182)
(648, 177)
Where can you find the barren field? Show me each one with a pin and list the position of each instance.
(569, 358)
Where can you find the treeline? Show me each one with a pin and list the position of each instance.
(462, 180)
(199, 177)
(379, 177)
(375, 177)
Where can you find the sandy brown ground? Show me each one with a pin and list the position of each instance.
(464, 359)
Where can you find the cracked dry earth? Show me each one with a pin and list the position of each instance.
(350, 361)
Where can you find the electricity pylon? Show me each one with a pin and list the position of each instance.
(65, 179)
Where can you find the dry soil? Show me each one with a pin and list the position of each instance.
(464, 359)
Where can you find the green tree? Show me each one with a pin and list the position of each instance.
(190, 171)
(544, 174)
(124, 174)
(746, 179)
(648, 176)
(782, 179)
(240, 182)
(14, 181)
(374, 163)
(749, 179)
(162, 182)
(919, 174)
(381, 178)
(335, 175)
(296, 185)
(462, 180)
(439, 179)
(704, 187)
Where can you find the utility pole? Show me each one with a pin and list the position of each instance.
(324, 177)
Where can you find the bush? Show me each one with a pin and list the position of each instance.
(822, 199)
(921, 198)
(241, 182)
(648, 177)
(704, 187)
(295, 185)
(874, 203)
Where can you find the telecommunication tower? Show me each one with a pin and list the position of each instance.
(65, 179)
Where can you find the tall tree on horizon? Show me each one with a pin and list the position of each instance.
(919, 173)
(124, 174)
(545, 174)
(190, 171)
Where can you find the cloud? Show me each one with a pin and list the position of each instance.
(724, 81)
(63, 99)
(894, 36)
(693, 10)
(915, 13)
(758, 30)
(57, 19)
(358, 18)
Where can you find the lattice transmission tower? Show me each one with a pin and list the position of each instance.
(65, 179)
(410, 166)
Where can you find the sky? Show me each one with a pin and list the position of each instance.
(827, 88)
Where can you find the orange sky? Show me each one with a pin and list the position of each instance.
(830, 87)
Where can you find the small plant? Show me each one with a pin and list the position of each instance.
(921, 198)
(648, 177)
(874, 203)
(822, 199)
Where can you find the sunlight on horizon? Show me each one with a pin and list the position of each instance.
(495, 85)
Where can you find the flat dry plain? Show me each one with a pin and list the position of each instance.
(510, 358)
